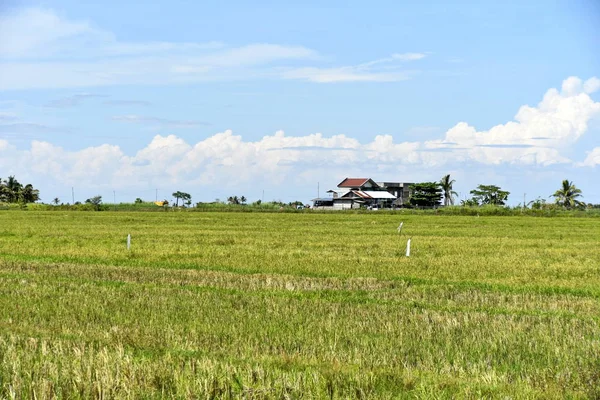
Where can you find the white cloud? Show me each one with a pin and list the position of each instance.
(41, 49)
(592, 159)
(35, 32)
(38, 33)
(538, 135)
(73, 100)
(158, 122)
(408, 56)
(345, 74)
(4, 145)
(591, 85)
(371, 71)
(176, 69)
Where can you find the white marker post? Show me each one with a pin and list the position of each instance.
(128, 241)
(400, 227)
(408, 248)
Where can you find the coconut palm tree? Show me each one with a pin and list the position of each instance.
(13, 187)
(446, 185)
(567, 195)
(28, 194)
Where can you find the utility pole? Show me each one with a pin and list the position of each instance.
(73, 194)
(524, 201)
(318, 190)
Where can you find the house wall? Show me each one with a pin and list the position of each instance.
(344, 205)
(399, 189)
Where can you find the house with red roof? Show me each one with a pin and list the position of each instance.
(364, 192)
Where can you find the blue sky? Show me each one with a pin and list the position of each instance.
(224, 98)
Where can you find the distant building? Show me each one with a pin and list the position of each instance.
(399, 189)
(364, 192)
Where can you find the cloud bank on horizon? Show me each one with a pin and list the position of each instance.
(537, 136)
(41, 50)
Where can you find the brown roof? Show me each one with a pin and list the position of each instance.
(353, 182)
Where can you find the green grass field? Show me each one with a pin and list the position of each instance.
(298, 305)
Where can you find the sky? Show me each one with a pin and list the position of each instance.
(281, 100)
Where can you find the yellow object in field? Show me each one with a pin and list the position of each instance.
(160, 203)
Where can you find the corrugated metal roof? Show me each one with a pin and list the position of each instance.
(362, 194)
(378, 194)
(353, 194)
(371, 194)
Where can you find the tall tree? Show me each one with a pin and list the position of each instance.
(183, 196)
(12, 191)
(446, 185)
(425, 194)
(186, 198)
(96, 201)
(13, 187)
(233, 200)
(28, 194)
(3, 192)
(177, 196)
(567, 195)
(490, 194)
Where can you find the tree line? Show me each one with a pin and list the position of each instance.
(424, 194)
(13, 191)
(430, 194)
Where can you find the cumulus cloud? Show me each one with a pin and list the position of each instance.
(591, 85)
(538, 135)
(592, 159)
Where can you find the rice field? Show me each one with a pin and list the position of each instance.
(298, 305)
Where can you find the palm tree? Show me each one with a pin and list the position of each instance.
(13, 187)
(28, 194)
(446, 185)
(56, 201)
(567, 195)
